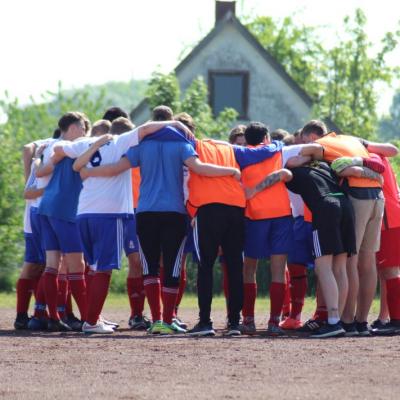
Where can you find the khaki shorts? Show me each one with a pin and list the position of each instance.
(368, 215)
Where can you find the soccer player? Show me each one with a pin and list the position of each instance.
(368, 203)
(100, 127)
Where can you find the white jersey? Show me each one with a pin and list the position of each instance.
(44, 180)
(29, 203)
(296, 202)
(105, 195)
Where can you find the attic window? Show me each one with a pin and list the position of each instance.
(229, 89)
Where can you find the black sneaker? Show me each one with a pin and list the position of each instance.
(74, 323)
(363, 329)
(54, 325)
(350, 329)
(37, 324)
(233, 330)
(139, 323)
(21, 321)
(379, 328)
(310, 326)
(202, 329)
(395, 324)
(328, 330)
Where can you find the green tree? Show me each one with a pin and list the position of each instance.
(164, 89)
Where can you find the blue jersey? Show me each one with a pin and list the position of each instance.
(161, 169)
(60, 199)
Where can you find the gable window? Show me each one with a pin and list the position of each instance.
(229, 89)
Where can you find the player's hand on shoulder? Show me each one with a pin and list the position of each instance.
(84, 173)
(237, 174)
(103, 139)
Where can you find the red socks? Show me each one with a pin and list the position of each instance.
(51, 291)
(393, 297)
(97, 296)
(182, 287)
(286, 299)
(24, 293)
(298, 289)
(136, 295)
(152, 288)
(62, 294)
(78, 289)
(276, 294)
(249, 299)
(169, 295)
(40, 304)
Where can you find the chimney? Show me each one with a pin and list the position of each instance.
(222, 8)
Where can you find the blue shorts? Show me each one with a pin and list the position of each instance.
(60, 235)
(37, 236)
(33, 254)
(301, 250)
(267, 237)
(103, 240)
(131, 243)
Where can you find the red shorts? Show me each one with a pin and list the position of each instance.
(389, 254)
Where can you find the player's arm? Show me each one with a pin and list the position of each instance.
(42, 169)
(383, 149)
(84, 158)
(32, 193)
(361, 172)
(313, 150)
(153, 126)
(375, 164)
(106, 170)
(27, 156)
(210, 170)
(297, 161)
(281, 175)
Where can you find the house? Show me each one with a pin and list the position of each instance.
(241, 74)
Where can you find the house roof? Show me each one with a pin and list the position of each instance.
(231, 19)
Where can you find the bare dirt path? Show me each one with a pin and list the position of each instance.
(130, 365)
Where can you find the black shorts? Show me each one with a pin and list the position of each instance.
(333, 227)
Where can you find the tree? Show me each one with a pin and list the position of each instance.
(389, 125)
(342, 80)
(164, 89)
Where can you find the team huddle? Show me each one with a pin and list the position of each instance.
(314, 199)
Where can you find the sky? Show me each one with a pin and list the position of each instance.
(82, 42)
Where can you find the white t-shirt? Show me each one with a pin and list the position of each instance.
(44, 180)
(296, 202)
(105, 195)
(29, 203)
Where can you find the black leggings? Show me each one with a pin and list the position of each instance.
(162, 233)
(220, 225)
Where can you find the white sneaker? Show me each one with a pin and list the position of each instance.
(113, 325)
(100, 327)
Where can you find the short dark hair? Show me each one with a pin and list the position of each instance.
(101, 127)
(121, 125)
(186, 120)
(162, 113)
(314, 126)
(255, 133)
(114, 113)
(279, 134)
(236, 132)
(56, 133)
(70, 118)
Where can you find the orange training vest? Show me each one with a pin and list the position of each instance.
(272, 202)
(307, 214)
(135, 173)
(206, 190)
(336, 146)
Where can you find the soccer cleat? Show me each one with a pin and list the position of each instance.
(155, 328)
(350, 329)
(273, 330)
(310, 326)
(54, 325)
(290, 324)
(379, 328)
(248, 326)
(180, 323)
(37, 324)
(100, 327)
(395, 324)
(139, 323)
(21, 321)
(363, 329)
(328, 330)
(233, 330)
(113, 325)
(74, 323)
(202, 329)
(171, 329)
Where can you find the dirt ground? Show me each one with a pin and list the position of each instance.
(130, 365)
